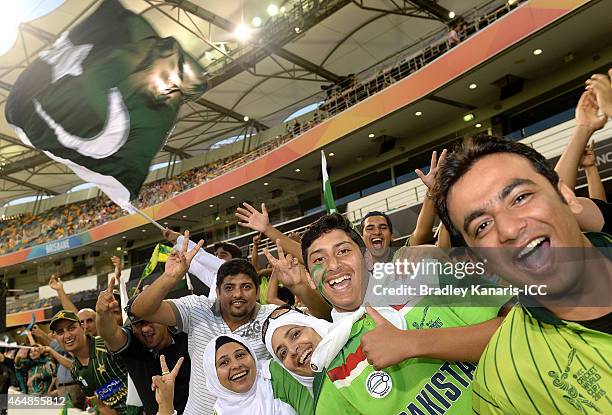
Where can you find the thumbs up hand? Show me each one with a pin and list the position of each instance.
(386, 345)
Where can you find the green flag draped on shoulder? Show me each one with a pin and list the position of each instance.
(104, 98)
(328, 197)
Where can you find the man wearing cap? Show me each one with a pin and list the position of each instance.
(102, 376)
(140, 343)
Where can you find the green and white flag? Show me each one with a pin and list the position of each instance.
(328, 197)
(104, 99)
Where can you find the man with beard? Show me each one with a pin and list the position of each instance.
(140, 344)
(551, 354)
(424, 348)
(235, 311)
(102, 377)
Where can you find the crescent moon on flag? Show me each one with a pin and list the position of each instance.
(112, 137)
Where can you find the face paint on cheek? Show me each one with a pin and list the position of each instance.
(318, 273)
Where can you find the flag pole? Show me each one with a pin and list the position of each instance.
(147, 217)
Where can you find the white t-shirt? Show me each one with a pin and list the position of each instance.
(200, 318)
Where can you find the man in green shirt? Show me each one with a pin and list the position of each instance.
(101, 375)
(385, 364)
(551, 353)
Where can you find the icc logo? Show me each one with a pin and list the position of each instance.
(379, 384)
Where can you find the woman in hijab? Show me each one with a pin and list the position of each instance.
(291, 337)
(243, 385)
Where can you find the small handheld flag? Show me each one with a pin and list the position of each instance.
(328, 197)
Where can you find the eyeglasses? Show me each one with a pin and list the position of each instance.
(284, 309)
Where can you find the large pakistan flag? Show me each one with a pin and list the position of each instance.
(104, 98)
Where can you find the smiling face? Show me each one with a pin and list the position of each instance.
(235, 367)
(293, 345)
(377, 237)
(70, 335)
(518, 211)
(237, 296)
(338, 269)
(151, 335)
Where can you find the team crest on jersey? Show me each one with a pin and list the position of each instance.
(586, 378)
(379, 384)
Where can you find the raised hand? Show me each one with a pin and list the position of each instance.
(588, 158)
(380, 345)
(106, 300)
(430, 178)
(179, 260)
(251, 218)
(164, 385)
(586, 112)
(117, 263)
(601, 86)
(170, 235)
(286, 267)
(56, 283)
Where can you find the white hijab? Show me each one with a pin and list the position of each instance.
(259, 400)
(296, 318)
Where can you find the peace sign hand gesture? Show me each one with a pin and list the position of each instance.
(164, 386)
(178, 261)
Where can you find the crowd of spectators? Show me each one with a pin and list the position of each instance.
(34, 229)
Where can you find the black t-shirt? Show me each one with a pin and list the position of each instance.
(606, 211)
(142, 364)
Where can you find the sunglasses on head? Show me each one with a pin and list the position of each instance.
(280, 311)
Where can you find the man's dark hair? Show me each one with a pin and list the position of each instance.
(235, 267)
(461, 160)
(327, 224)
(230, 247)
(376, 213)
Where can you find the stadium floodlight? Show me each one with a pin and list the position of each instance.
(282, 10)
(418, 113)
(472, 86)
(537, 52)
(451, 15)
(297, 170)
(266, 183)
(256, 21)
(272, 10)
(297, 30)
(245, 118)
(468, 117)
(371, 135)
(211, 205)
(332, 154)
(242, 32)
(478, 125)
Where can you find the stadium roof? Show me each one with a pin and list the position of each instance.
(350, 37)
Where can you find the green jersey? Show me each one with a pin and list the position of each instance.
(538, 364)
(350, 385)
(104, 377)
(287, 389)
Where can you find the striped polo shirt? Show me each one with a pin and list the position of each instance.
(201, 319)
(537, 363)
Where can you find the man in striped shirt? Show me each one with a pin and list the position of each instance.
(551, 353)
(235, 311)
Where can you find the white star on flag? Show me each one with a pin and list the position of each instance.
(66, 58)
